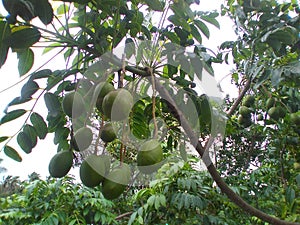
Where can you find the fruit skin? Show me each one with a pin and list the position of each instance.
(260, 117)
(270, 103)
(73, 104)
(281, 112)
(274, 113)
(83, 138)
(248, 100)
(92, 170)
(150, 156)
(108, 133)
(245, 111)
(102, 89)
(295, 119)
(244, 121)
(117, 104)
(60, 164)
(116, 181)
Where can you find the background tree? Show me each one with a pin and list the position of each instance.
(259, 158)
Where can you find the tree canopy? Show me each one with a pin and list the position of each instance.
(133, 99)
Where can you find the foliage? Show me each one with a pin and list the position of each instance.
(55, 202)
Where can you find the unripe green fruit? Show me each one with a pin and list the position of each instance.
(274, 113)
(244, 121)
(73, 104)
(60, 164)
(108, 133)
(83, 138)
(102, 89)
(270, 103)
(116, 181)
(245, 111)
(117, 104)
(150, 156)
(281, 112)
(92, 170)
(248, 100)
(260, 117)
(295, 119)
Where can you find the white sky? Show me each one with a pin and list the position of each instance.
(38, 160)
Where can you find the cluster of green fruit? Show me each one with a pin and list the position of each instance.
(95, 170)
(275, 112)
(245, 111)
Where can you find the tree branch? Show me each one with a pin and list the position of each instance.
(239, 99)
(119, 217)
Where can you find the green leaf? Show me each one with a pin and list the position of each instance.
(23, 38)
(24, 142)
(197, 64)
(31, 133)
(211, 20)
(12, 115)
(155, 5)
(29, 89)
(39, 124)
(178, 21)
(41, 74)
(52, 103)
(4, 33)
(202, 27)
(3, 138)
(26, 58)
(44, 11)
(12, 153)
(18, 100)
(195, 33)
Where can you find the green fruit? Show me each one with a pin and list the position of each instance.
(295, 119)
(245, 111)
(149, 156)
(116, 181)
(83, 138)
(244, 121)
(108, 133)
(60, 164)
(73, 104)
(281, 112)
(260, 117)
(248, 100)
(102, 89)
(117, 104)
(274, 113)
(270, 103)
(92, 170)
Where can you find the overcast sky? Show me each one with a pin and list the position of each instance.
(39, 159)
